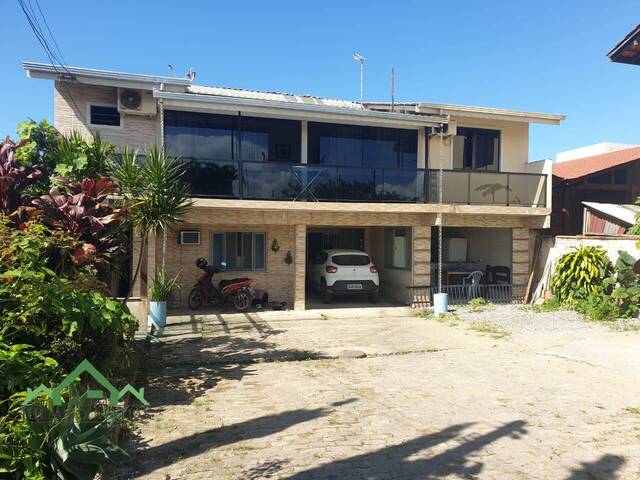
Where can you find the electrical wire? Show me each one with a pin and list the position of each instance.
(56, 59)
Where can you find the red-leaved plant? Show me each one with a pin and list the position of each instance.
(14, 179)
(81, 210)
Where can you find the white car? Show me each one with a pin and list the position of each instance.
(344, 272)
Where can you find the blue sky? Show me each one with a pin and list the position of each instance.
(547, 56)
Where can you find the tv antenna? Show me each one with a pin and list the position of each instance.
(359, 58)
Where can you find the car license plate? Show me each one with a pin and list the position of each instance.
(354, 286)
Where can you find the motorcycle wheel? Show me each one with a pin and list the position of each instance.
(195, 299)
(242, 300)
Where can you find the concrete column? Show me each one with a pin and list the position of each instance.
(421, 253)
(520, 256)
(304, 135)
(300, 267)
(422, 162)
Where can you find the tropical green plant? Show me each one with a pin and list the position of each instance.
(626, 285)
(76, 158)
(154, 193)
(579, 273)
(40, 140)
(162, 286)
(67, 442)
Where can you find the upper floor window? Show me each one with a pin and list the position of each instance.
(104, 115)
(232, 137)
(361, 146)
(476, 149)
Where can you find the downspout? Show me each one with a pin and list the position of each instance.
(161, 113)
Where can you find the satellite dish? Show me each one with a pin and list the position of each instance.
(636, 267)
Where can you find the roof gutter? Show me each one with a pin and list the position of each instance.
(303, 109)
(59, 72)
(491, 113)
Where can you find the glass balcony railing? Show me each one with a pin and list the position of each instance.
(286, 181)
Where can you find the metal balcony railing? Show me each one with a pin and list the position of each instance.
(287, 181)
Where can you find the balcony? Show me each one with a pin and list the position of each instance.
(286, 181)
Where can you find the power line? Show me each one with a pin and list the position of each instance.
(57, 60)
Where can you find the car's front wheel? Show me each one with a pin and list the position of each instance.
(374, 297)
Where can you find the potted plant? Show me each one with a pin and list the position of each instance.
(159, 292)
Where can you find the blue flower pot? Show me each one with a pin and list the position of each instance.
(157, 314)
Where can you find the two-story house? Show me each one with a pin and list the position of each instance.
(277, 177)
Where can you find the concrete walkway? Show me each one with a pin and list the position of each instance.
(281, 397)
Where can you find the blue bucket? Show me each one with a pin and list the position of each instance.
(440, 303)
(158, 314)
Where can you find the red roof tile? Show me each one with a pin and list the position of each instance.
(580, 167)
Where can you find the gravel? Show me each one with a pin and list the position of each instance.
(520, 319)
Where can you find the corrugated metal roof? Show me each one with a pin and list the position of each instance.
(273, 96)
(580, 167)
(624, 212)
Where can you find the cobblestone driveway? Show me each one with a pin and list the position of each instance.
(431, 400)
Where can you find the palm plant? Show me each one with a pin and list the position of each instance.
(155, 194)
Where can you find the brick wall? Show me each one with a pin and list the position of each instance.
(278, 279)
(136, 131)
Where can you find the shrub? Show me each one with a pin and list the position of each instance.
(580, 273)
(67, 442)
(626, 291)
(598, 306)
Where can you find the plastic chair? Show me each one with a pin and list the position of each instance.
(473, 283)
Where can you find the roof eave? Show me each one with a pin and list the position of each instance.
(490, 113)
(99, 77)
(301, 108)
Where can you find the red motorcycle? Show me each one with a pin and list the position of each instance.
(234, 291)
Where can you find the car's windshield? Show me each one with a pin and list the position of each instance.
(350, 259)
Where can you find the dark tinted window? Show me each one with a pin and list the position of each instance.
(477, 149)
(105, 116)
(355, 260)
(359, 146)
(232, 137)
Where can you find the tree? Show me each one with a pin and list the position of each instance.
(154, 193)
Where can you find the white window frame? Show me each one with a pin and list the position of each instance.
(253, 241)
(99, 125)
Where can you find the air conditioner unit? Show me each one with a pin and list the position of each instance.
(189, 237)
(136, 102)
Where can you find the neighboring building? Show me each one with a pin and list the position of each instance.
(591, 150)
(628, 49)
(612, 177)
(277, 177)
(608, 218)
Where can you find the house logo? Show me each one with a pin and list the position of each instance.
(86, 367)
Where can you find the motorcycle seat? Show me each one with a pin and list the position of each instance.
(224, 283)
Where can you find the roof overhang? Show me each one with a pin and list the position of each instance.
(628, 49)
(92, 76)
(489, 113)
(303, 111)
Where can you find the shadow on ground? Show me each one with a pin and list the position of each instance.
(395, 462)
(149, 459)
(604, 468)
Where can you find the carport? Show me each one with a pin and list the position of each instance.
(372, 241)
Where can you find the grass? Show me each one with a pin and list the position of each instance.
(490, 329)
(625, 326)
(551, 305)
(479, 305)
